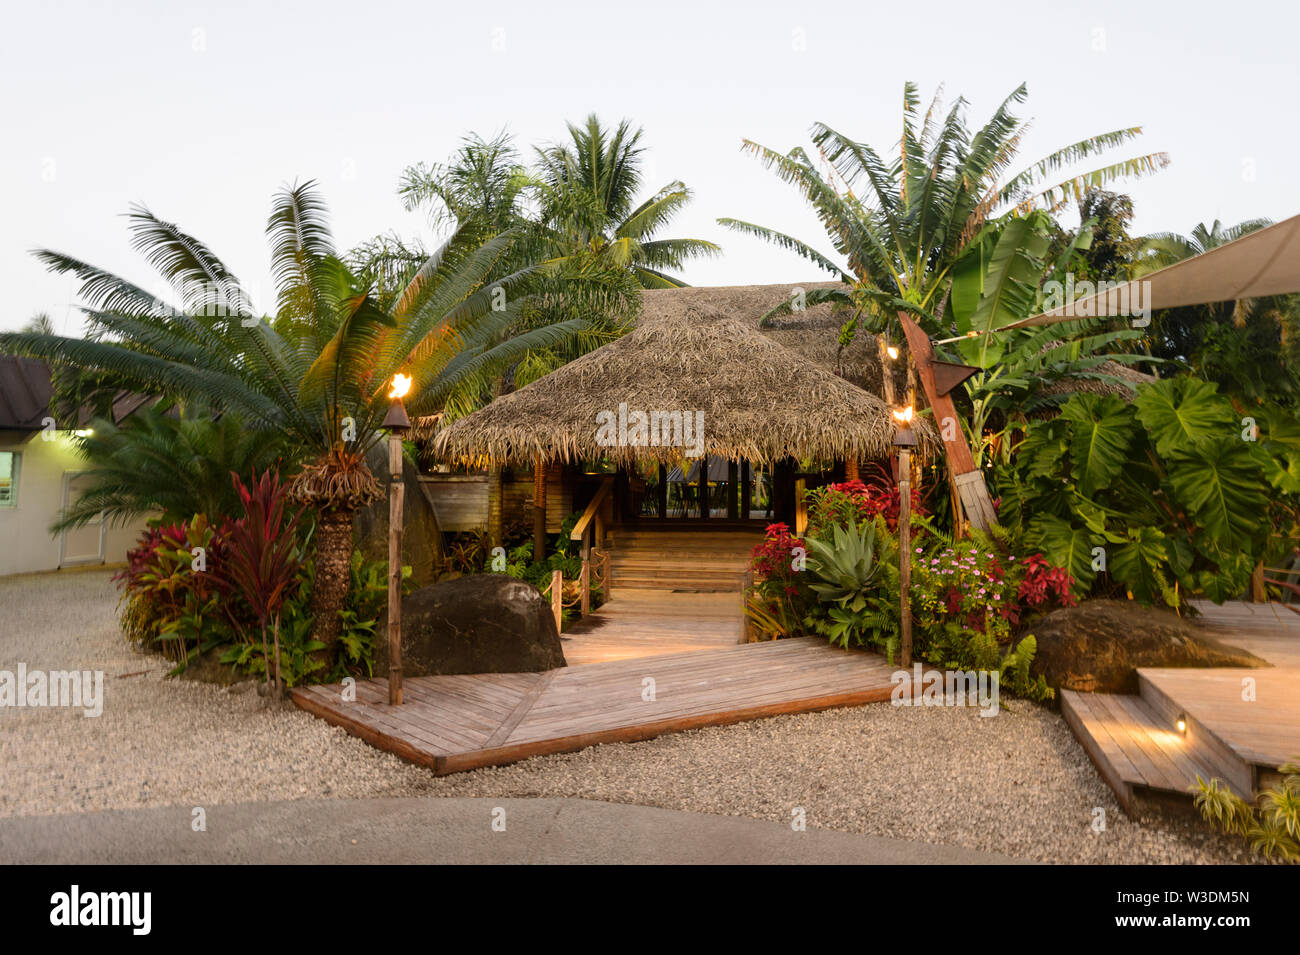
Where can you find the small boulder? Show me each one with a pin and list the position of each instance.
(480, 623)
(1097, 646)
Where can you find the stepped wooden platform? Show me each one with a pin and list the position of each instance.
(687, 556)
(1229, 733)
(456, 723)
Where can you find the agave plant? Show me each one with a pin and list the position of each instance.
(854, 574)
(317, 372)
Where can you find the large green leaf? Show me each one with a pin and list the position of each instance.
(1102, 430)
(1140, 563)
(1183, 413)
(1221, 486)
(1065, 545)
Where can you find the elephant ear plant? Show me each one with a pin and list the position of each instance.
(856, 572)
(264, 556)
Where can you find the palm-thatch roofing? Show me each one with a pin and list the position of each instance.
(759, 400)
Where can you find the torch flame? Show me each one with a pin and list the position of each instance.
(892, 352)
(904, 416)
(401, 385)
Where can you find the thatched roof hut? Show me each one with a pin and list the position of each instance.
(757, 400)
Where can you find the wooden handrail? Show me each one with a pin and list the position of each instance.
(580, 528)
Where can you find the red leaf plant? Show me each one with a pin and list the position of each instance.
(263, 557)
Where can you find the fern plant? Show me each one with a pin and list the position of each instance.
(1272, 829)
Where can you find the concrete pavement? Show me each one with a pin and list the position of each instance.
(424, 830)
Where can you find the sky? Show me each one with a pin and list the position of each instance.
(202, 111)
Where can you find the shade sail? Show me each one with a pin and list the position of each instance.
(1259, 264)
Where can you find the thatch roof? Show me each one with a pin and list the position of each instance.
(759, 400)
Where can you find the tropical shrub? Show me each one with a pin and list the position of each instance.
(1272, 829)
(853, 502)
(969, 600)
(1166, 495)
(774, 605)
(855, 577)
(171, 595)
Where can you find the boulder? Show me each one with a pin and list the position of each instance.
(1098, 646)
(421, 536)
(480, 623)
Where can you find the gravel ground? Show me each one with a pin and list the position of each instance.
(1017, 783)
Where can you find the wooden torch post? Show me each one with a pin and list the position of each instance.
(905, 440)
(397, 424)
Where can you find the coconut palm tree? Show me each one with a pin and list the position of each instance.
(920, 210)
(588, 202)
(317, 371)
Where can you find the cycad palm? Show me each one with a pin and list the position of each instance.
(316, 374)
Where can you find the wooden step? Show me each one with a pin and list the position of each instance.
(1134, 747)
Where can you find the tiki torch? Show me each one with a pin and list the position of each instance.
(905, 441)
(397, 424)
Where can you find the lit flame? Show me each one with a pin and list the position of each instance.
(892, 352)
(401, 385)
(904, 416)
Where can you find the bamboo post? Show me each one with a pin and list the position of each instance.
(905, 552)
(585, 582)
(396, 493)
(557, 598)
(539, 509)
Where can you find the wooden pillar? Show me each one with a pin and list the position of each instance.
(746, 490)
(704, 488)
(851, 472)
(557, 598)
(663, 491)
(905, 552)
(539, 509)
(733, 478)
(495, 518)
(783, 508)
(967, 478)
(396, 493)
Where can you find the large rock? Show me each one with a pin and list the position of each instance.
(1098, 646)
(480, 623)
(421, 536)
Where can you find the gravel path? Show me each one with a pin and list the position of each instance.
(1017, 784)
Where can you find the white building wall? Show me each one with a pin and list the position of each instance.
(26, 544)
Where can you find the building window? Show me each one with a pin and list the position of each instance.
(9, 461)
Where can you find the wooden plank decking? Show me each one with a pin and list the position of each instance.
(1134, 741)
(641, 623)
(455, 723)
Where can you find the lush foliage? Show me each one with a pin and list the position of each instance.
(1271, 829)
(855, 579)
(1160, 497)
(853, 502)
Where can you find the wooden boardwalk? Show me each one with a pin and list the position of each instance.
(642, 623)
(1241, 724)
(455, 723)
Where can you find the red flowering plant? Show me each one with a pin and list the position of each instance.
(853, 503)
(970, 597)
(774, 602)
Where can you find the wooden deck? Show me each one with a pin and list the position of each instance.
(1134, 742)
(455, 723)
(642, 623)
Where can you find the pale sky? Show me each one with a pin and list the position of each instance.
(202, 110)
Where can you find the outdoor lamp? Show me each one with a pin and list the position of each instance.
(397, 424)
(1181, 723)
(892, 352)
(905, 441)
